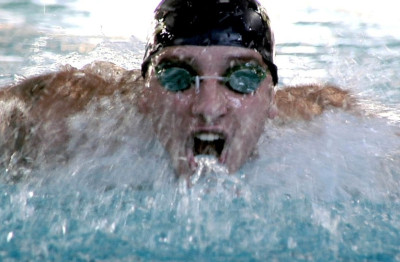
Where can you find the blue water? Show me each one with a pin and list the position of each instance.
(325, 190)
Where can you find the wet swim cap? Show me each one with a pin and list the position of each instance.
(242, 23)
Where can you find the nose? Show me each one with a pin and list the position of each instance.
(210, 103)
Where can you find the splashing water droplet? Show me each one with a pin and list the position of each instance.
(207, 165)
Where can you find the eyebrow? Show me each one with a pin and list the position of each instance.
(232, 55)
(243, 58)
(184, 62)
(190, 61)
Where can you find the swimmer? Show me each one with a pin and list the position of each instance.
(207, 86)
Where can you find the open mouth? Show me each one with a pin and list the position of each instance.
(208, 144)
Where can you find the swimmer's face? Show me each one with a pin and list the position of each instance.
(210, 118)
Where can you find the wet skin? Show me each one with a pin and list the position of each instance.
(213, 112)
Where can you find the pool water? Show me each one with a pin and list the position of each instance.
(325, 190)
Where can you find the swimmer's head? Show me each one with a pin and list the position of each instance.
(240, 23)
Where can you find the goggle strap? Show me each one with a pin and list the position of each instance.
(199, 78)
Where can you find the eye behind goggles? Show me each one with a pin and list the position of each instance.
(244, 79)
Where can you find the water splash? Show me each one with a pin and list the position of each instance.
(326, 190)
(206, 165)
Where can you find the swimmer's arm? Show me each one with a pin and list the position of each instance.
(307, 101)
(70, 90)
(36, 109)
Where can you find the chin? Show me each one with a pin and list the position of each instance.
(186, 165)
(224, 148)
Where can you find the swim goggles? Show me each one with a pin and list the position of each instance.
(244, 78)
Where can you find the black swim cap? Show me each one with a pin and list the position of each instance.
(242, 23)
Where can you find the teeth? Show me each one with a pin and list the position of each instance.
(208, 137)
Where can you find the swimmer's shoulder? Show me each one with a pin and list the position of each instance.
(309, 100)
(73, 86)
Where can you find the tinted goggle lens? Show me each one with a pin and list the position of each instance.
(175, 78)
(244, 79)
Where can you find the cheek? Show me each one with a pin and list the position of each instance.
(171, 118)
(154, 98)
(252, 114)
(166, 108)
(254, 107)
(176, 105)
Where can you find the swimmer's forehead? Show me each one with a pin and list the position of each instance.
(191, 54)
